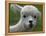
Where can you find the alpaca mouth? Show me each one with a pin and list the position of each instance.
(31, 25)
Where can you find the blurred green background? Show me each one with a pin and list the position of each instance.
(14, 17)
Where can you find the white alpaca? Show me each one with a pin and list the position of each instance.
(28, 20)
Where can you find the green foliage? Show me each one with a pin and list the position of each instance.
(14, 17)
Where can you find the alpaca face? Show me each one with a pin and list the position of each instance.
(29, 15)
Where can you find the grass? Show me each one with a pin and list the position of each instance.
(14, 17)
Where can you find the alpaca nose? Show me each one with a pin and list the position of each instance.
(30, 22)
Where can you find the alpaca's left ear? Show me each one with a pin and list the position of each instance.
(16, 7)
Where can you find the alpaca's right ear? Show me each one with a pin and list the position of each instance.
(16, 7)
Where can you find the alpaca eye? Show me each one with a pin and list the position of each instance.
(24, 16)
(34, 16)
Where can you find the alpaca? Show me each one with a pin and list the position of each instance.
(28, 19)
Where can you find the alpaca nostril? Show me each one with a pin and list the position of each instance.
(30, 22)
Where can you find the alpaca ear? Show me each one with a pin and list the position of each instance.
(16, 8)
